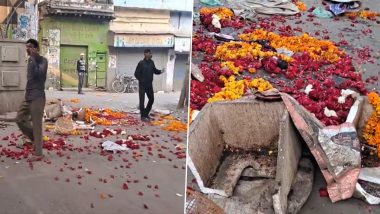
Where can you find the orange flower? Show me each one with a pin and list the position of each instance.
(175, 126)
(301, 6)
(371, 132)
(170, 123)
(222, 12)
(365, 14)
(317, 49)
(103, 117)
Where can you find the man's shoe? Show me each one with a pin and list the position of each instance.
(145, 119)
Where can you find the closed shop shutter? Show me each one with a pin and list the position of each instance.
(180, 70)
(128, 58)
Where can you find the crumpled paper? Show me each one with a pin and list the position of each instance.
(111, 146)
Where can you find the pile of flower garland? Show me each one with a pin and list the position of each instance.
(221, 12)
(365, 14)
(235, 89)
(170, 123)
(371, 132)
(316, 64)
(317, 49)
(104, 117)
(226, 16)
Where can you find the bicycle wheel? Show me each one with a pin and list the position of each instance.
(134, 86)
(118, 86)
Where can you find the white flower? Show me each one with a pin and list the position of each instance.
(330, 113)
(308, 89)
(341, 99)
(216, 21)
(345, 93)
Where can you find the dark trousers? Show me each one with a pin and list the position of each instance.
(81, 76)
(32, 129)
(148, 90)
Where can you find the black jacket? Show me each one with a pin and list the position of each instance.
(79, 65)
(36, 77)
(145, 70)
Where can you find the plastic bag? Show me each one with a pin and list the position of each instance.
(111, 146)
(322, 13)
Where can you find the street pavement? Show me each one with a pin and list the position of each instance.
(122, 101)
(82, 179)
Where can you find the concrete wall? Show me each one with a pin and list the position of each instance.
(72, 31)
(174, 5)
(12, 74)
(140, 21)
(181, 23)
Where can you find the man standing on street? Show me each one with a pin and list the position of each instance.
(34, 103)
(144, 74)
(81, 68)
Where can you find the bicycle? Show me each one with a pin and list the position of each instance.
(124, 83)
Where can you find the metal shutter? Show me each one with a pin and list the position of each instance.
(127, 59)
(180, 70)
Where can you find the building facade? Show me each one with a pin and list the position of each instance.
(18, 19)
(69, 28)
(164, 26)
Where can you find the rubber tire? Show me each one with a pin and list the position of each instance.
(118, 86)
(134, 86)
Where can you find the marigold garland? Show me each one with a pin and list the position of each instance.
(104, 117)
(170, 123)
(221, 12)
(235, 89)
(317, 49)
(365, 14)
(301, 6)
(371, 132)
(260, 84)
(175, 126)
(241, 50)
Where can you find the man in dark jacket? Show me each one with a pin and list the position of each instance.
(34, 103)
(144, 74)
(81, 69)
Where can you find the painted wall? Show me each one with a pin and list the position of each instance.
(56, 31)
(174, 5)
(181, 23)
(141, 21)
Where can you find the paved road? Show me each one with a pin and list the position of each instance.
(45, 188)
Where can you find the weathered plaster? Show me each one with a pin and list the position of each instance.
(90, 33)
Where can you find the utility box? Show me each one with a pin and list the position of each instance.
(13, 65)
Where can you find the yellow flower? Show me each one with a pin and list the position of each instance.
(222, 12)
(371, 132)
(317, 49)
(234, 89)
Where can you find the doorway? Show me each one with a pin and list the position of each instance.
(68, 65)
(101, 70)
